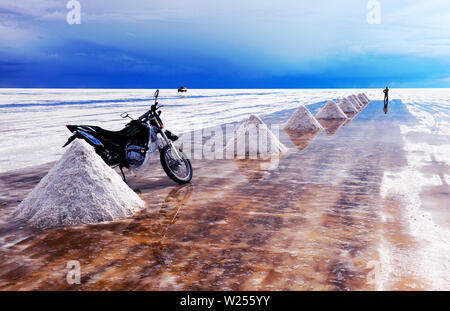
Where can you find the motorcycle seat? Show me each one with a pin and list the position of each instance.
(114, 135)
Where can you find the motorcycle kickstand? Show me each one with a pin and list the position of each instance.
(124, 178)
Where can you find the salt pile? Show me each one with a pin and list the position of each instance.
(361, 104)
(347, 106)
(363, 99)
(331, 111)
(302, 120)
(367, 98)
(79, 189)
(354, 102)
(254, 139)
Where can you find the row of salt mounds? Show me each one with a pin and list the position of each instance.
(80, 189)
(360, 102)
(302, 120)
(255, 140)
(367, 98)
(363, 99)
(347, 106)
(331, 111)
(355, 101)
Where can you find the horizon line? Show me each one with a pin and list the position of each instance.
(314, 88)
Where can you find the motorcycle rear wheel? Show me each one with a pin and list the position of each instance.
(181, 174)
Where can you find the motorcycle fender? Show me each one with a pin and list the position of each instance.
(91, 138)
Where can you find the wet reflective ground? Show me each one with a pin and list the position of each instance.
(319, 220)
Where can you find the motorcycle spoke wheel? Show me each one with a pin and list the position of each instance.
(180, 171)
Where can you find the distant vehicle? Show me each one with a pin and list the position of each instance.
(130, 147)
(182, 89)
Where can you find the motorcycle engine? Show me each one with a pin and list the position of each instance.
(135, 154)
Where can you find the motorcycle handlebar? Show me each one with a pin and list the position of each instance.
(153, 109)
(145, 115)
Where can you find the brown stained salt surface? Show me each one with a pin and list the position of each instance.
(315, 222)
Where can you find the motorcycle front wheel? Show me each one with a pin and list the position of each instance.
(181, 174)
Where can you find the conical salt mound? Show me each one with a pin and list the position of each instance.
(302, 120)
(347, 106)
(255, 140)
(356, 99)
(367, 98)
(354, 102)
(331, 111)
(362, 99)
(79, 189)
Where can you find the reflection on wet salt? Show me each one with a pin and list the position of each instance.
(350, 116)
(13, 242)
(436, 198)
(439, 168)
(256, 169)
(176, 200)
(301, 140)
(331, 126)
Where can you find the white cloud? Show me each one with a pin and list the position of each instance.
(39, 9)
(292, 31)
(13, 37)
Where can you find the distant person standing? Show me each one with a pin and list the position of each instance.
(386, 95)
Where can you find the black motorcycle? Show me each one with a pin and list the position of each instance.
(129, 147)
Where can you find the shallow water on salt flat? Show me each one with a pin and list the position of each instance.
(332, 215)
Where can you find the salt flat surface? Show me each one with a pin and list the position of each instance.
(364, 207)
(32, 121)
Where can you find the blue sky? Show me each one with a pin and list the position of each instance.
(224, 44)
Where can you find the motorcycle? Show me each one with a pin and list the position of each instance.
(133, 146)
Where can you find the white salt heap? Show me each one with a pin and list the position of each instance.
(79, 189)
(347, 106)
(362, 99)
(255, 140)
(302, 120)
(353, 102)
(356, 99)
(331, 111)
(367, 98)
